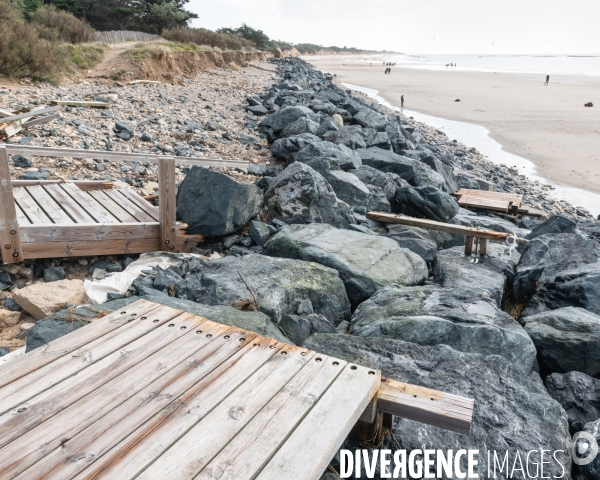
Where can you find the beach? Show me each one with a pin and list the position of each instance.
(547, 125)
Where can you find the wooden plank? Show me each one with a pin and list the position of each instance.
(484, 246)
(489, 194)
(140, 214)
(439, 226)
(85, 185)
(120, 213)
(21, 217)
(199, 445)
(80, 103)
(31, 113)
(248, 453)
(90, 232)
(146, 442)
(49, 205)
(10, 243)
(160, 374)
(21, 366)
(34, 212)
(120, 156)
(69, 205)
(332, 417)
(469, 244)
(85, 373)
(167, 184)
(38, 121)
(91, 443)
(97, 211)
(142, 204)
(424, 405)
(5, 112)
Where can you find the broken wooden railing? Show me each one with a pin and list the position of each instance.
(50, 218)
(473, 235)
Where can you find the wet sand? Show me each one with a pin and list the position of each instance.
(546, 124)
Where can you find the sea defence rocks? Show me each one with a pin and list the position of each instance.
(352, 136)
(364, 262)
(503, 395)
(571, 288)
(212, 204)
(369, 118)
(554, 224)
(279, 286)
(339, 156)
(428, 202)
(548, 254)
(566, 339)
(429, 315)
(286, 116)
(43, 299)
(299, 194)
(284, 148)
(415, 239)
(382, 187)
(579, 395)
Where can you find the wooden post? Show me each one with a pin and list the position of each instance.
(484, 245)
(469, 244)
(10, 241)
(167, 187)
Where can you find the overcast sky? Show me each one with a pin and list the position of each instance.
(417, 26)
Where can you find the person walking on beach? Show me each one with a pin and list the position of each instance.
(547, 79)
(402, 101)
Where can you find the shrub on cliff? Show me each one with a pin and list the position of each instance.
(203, 36)
(57, 25)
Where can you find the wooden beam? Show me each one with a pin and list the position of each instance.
(439, 226)
(10, 240)
(89, 232)
(31, 113)
(469, 243)
(120, 156)
(80, 103)
(37, 121)
(167, 185)
(85, 185)
(484, 246)
(444, 410)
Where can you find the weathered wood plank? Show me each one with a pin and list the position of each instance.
(38, 121)
(248, 453)
(85, 185)
(10, 243)
(90, 232)
(34, 212)
(80, 103)
(93, 442)
(167, 183)
(21, 217)
(162, 371)
(140, 214)
(49, 206)
(424, 405)
(120, 213)
(85, 201)
(333, 417)
(88, 372)
(120, 156)
(469, 244)
(199, 445)
(21, 366)
(32, 113)
(142, 204)
(149, 440)
(68, 204)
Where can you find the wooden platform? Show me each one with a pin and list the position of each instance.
(41, 219)
(150, 392)
(509, 203)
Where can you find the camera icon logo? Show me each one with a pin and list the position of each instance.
(584, 449)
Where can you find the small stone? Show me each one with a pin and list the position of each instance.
(54, 274)
(25, 273)
(9, 318)
(11, 305)
(43, 299)
(22, 162)
(25, 327)
(83, 262)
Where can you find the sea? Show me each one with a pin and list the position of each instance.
(575, 65)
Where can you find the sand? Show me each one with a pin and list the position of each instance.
(546, 124)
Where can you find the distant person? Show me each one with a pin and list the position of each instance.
(402, 101)
(547, 79)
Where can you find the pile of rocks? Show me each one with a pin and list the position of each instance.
(516, 330)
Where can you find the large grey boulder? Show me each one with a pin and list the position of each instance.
(299, 194)
(280, 286)
(369, 118)
(473, 182)
(351, 136)
(571, 288)
(213, 204)
(284, 148)
(548, 254)
(350, 189)
(428, 315)
(454, 269)
(327, 124)
(450, 185)
(382, 187)
(512, 412)
(377, 139)
(300, 126)
(339, 155)
(579, 395)
(554, 224)
(364, 262)
(566, 339)
(428, 202)
(489, 223)
(286, 116)
(417, 240)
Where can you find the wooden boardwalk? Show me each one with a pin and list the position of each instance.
(150, 392)
(509, 203)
